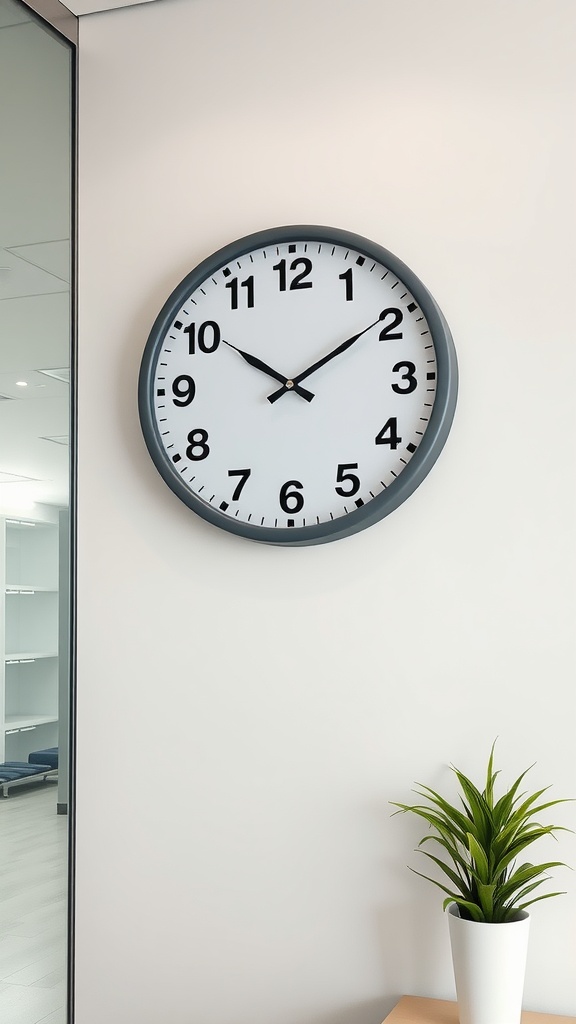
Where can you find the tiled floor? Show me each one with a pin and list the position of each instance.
(33, 907)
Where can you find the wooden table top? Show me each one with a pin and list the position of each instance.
(418, 1010)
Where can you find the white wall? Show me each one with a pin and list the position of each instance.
(245, 713)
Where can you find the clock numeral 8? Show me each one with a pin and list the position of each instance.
(198, 447)
(294, 497)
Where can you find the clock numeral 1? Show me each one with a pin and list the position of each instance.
(248, 284)
(389, 434)
(243, 474)
(291, 500)
(343, 475)
(198, 447)
(208, 337)
(347, 278)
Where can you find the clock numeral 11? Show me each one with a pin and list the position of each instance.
(248, 284)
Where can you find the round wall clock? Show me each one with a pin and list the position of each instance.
(297, 386)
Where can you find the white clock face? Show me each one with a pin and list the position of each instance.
(287, 387)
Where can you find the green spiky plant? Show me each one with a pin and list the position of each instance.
(482, 842)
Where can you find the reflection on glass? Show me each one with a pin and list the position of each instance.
(35, 205)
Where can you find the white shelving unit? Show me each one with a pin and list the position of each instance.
(29, 639)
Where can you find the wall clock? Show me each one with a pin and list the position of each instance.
(297, 386)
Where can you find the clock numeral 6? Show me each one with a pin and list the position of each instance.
(198, 447)
(342, 475)
(208, 337)
(184, 389)
(291, 500)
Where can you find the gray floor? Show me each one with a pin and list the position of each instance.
(33, 906)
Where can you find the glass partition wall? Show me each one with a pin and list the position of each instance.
(37, 62)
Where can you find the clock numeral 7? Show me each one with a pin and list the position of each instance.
(243, 474)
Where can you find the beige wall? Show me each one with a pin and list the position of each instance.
(245, 713)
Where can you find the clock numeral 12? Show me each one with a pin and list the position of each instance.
(248, 284)
(298, 281)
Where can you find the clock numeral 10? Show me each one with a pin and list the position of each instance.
(206, 339)
(248, 284)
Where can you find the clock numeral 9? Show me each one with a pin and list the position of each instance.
(343, 475)
(198, 447)
(291, 500)
(184, 388)
(411, 382)
(389, 434)
(298, 281)
(208, 337)
(388, 333)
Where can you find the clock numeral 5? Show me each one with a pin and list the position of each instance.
(342, 475)
(198, 447)
(208, 337)
(389, 434)
(291, 500)
(298, 281)
(184, 388)
(243, 474)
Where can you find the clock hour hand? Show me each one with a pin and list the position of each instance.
(325, 359)
(259, 364)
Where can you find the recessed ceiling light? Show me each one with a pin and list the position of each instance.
(22, 383)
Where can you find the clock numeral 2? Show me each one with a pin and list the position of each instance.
(248, 284)
(388, 333)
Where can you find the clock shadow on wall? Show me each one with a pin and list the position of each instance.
(297, 386)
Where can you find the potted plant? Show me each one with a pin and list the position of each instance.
(488, 887)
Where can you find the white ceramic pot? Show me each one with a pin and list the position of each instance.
(489, 966)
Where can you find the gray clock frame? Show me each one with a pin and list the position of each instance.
(419, 465)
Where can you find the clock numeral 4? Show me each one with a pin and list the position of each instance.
(389, 434)
(243, 474)
(198, 447)
(206, 339)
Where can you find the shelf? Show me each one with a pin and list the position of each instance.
(26, 656)
(417, 1010)
(24, 721)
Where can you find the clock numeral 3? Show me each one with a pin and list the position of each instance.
(343, 475)
(298, 281)
(291, 500)
(243, 474)
(389, 434)
(411, 382)
(248, 284)
(208, 337)
(198, 447)
(184, 388)
(388, 333)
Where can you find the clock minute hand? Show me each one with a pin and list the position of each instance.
(325, 359)
(259, 364)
